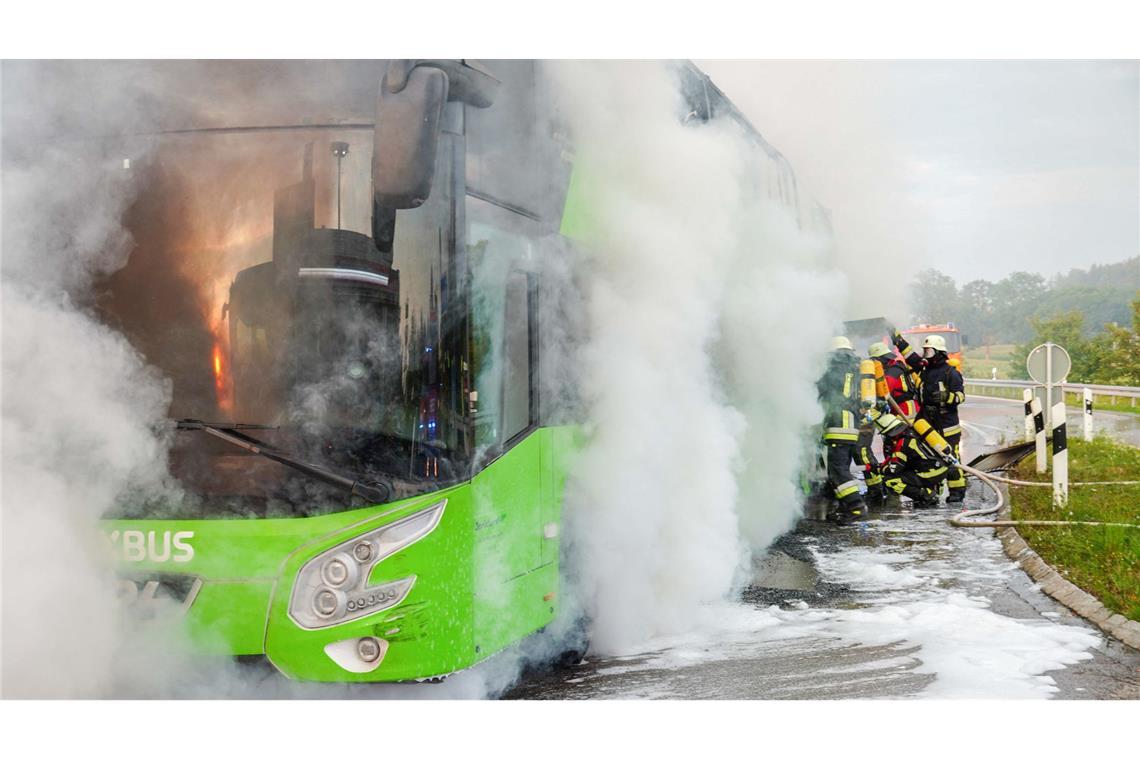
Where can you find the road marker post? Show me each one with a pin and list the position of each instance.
(1039, 435)
(1060, 456)
(1088, 415)
(1027, 397)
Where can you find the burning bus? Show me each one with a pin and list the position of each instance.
(345, 293)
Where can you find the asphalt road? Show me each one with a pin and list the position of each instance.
(992, 420)
(901, 606)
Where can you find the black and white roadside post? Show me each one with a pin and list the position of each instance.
(1060, 457)
(1088, 415)
(1027, 397)
(1039, 434)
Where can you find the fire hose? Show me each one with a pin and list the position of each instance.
(960, 521)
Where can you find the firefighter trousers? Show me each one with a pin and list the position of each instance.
(956, 476)
(865, 456)
(920, 485)
(843, 485)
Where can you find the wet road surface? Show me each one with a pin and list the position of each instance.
(990, 421)
(901, 606)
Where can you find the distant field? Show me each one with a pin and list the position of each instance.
(979, 361)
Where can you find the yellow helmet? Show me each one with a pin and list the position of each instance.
(937, 342)
(878, 349)
(840, 342)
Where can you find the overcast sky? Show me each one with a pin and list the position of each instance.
(975, 168)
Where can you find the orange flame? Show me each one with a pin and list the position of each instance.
(222, 386)
(213, 260)
(226, 225)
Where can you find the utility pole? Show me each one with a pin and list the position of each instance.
(340, 150)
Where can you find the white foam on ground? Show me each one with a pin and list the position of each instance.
(934, 597)
(869, 569)
(971, 651)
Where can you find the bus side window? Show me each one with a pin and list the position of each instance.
(503, 330)
(504, 354)
(517, 351)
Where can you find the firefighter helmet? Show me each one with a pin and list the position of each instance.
(937, 342)
(840, 342)
(877, 350)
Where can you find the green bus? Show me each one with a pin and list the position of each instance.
(342, 268)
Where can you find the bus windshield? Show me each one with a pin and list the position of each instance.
(255, 286)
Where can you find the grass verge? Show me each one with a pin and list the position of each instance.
(1104, 561)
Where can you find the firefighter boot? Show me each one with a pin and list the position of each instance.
(851, 509)
(921, 498)
(957, 496)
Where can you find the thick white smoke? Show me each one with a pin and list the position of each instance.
(80, 414)
(708, 314)
(777, 317)
(837, 122)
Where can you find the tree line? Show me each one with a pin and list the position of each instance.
(989, 313)
(1110, 357)
(1094, 313)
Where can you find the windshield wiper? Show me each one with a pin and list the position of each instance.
(370, 490)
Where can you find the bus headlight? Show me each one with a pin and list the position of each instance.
(340, 571)
(332, 587)
(362, 551)
(326, 603)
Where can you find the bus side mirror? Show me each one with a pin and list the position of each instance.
(409, 107)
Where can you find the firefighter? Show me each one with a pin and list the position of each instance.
(910, 467)
(941, 390)
(900, 381)
(839, 397)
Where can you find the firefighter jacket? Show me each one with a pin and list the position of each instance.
(910, 452)
(906, 453)
(902, 383)
(839, 397)
(941, 390)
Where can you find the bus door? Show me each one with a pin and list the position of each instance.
(508, 490)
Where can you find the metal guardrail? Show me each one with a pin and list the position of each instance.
(1111, 391)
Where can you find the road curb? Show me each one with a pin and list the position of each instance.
(1057, 586)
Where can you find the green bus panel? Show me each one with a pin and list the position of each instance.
(484, 577)
(228, 617)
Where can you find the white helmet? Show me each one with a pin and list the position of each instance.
(840, 342)
(937, 342)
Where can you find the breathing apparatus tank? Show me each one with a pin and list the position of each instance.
(933, 439)
(881, 381)
(867, 390)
